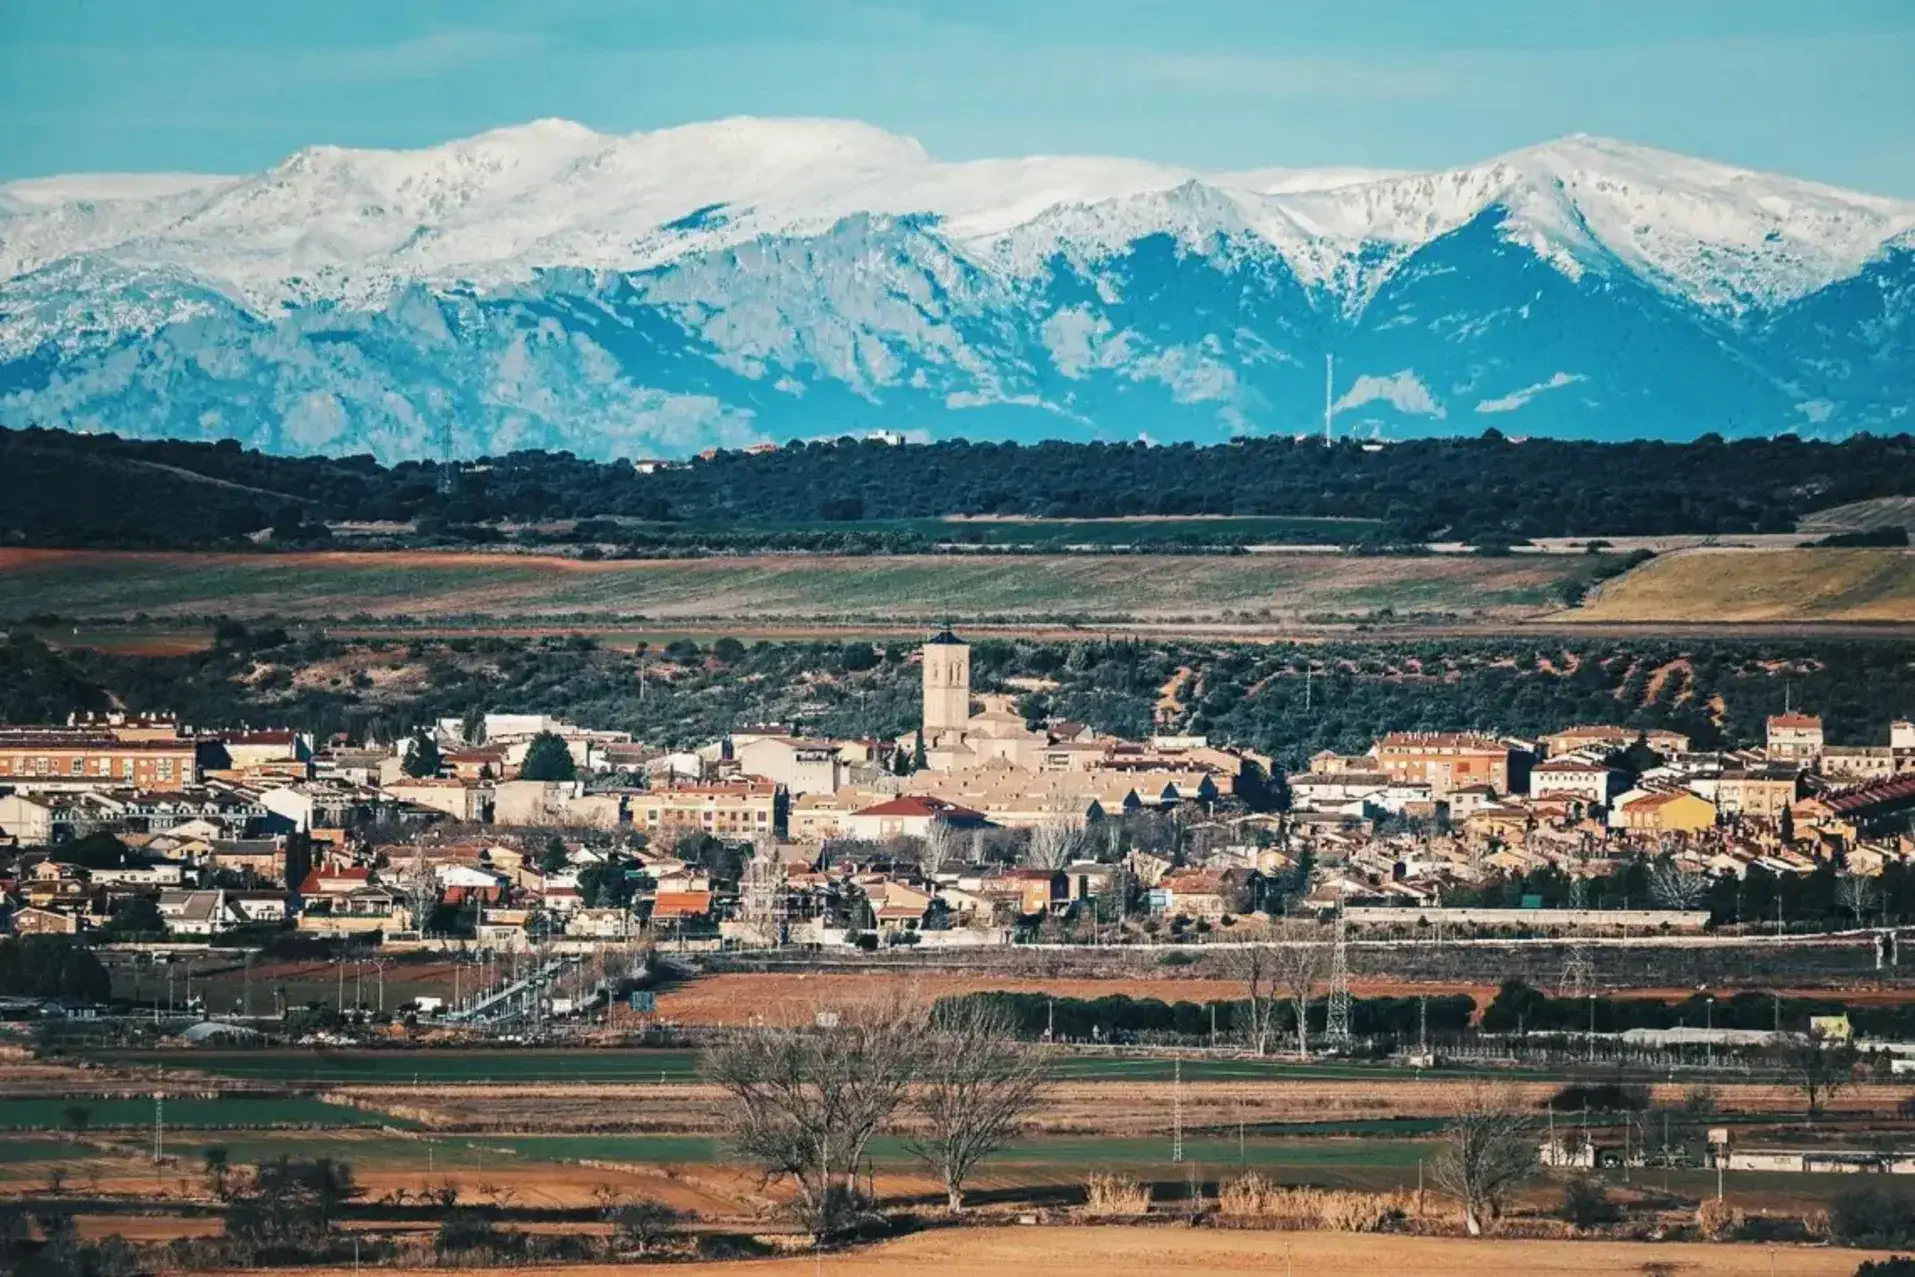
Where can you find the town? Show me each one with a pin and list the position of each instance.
(517, 831)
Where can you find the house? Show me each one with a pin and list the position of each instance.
(334, 881)
(1193, 893)
(34, 921)
(1676, 812)
(464, 801)
(195, 913)
(801, 766)
(258, 906)
(1567, 777)
(740, 809)
(1028, 891)
(910, 816)
(1763, 790)
(598, 924)
(680, 908)
(1607, 739)
(896, 907)
(1795, 738)
(1466, 800)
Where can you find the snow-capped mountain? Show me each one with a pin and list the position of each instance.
(550, 286)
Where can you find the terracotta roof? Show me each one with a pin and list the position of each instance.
(920, 805)
(1795, 720)
(681, 904)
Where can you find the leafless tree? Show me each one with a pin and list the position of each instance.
(1257, 966)
(1818, 1066)
(1674, 887)
(805, 1102)
(1488, 1148)
(1052, 845)
(1856, 894)
(977, 1086)
(942, 845)
(1297, 967)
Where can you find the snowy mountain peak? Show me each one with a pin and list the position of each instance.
(549, 285)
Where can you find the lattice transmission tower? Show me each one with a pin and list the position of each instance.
(1336, 1027)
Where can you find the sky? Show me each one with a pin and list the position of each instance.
(1820, 89)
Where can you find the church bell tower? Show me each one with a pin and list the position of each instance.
(947, 683)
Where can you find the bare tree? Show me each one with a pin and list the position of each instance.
(942, 845)
(1488, 1148)
(1818, 1066)
(805, 1103)
(1257, 966)
(976, 1088)
(1052, 845)
(1674, 887)
(1296, 969)
(1856, 894)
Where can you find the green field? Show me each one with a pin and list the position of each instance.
(557, 1066)
(47, 1114)
(763, 588)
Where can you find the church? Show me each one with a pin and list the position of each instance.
(955, 739)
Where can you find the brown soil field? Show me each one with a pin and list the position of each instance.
(788, 997)
(993, 1252)
(1872, 585)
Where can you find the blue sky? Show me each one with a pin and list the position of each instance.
(1815, 88)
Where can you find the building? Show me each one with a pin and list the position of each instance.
(909, 816)
(1765, 791)
(737, 809)
(50, 756)
(1853, 763)
(1609, 739)
(1574, 778)
(947, 684)
(1676, 812)
(1444, 760)
(801, 766)
(1795, 738)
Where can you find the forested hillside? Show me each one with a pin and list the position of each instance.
(100, 490)
(1288, 700)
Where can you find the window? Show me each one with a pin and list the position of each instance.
(166, 769)
(78, 767)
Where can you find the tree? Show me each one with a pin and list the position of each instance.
(1257, 967)
(216, 1169)
(805, 1103)
(1487, 1150)
(423, 758)
(941, 845)
(77, 1118)
(1785, 828)
(641, 1226)
(1296, 967)
(287, 1208)
(554, 857)
(547, 758)
(1674, 887)
(1857, 894)
(918, 761)
(1053, 844)
(1817, 1066)
(977, 1085)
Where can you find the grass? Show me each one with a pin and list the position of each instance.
(1754, 586)
(400, 1067)
(761, 588)
(46, 1114)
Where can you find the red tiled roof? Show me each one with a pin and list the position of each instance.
(920, 805)
(681, 904)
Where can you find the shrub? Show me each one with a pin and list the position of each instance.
(1893, 1266)
(1872, 1217)
(1717, 1220)
(1116, 1195)
(1251, 1196)
(1586, 1203)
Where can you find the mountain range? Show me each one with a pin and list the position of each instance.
(548, 286)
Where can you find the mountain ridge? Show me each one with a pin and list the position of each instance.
(548, 285)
